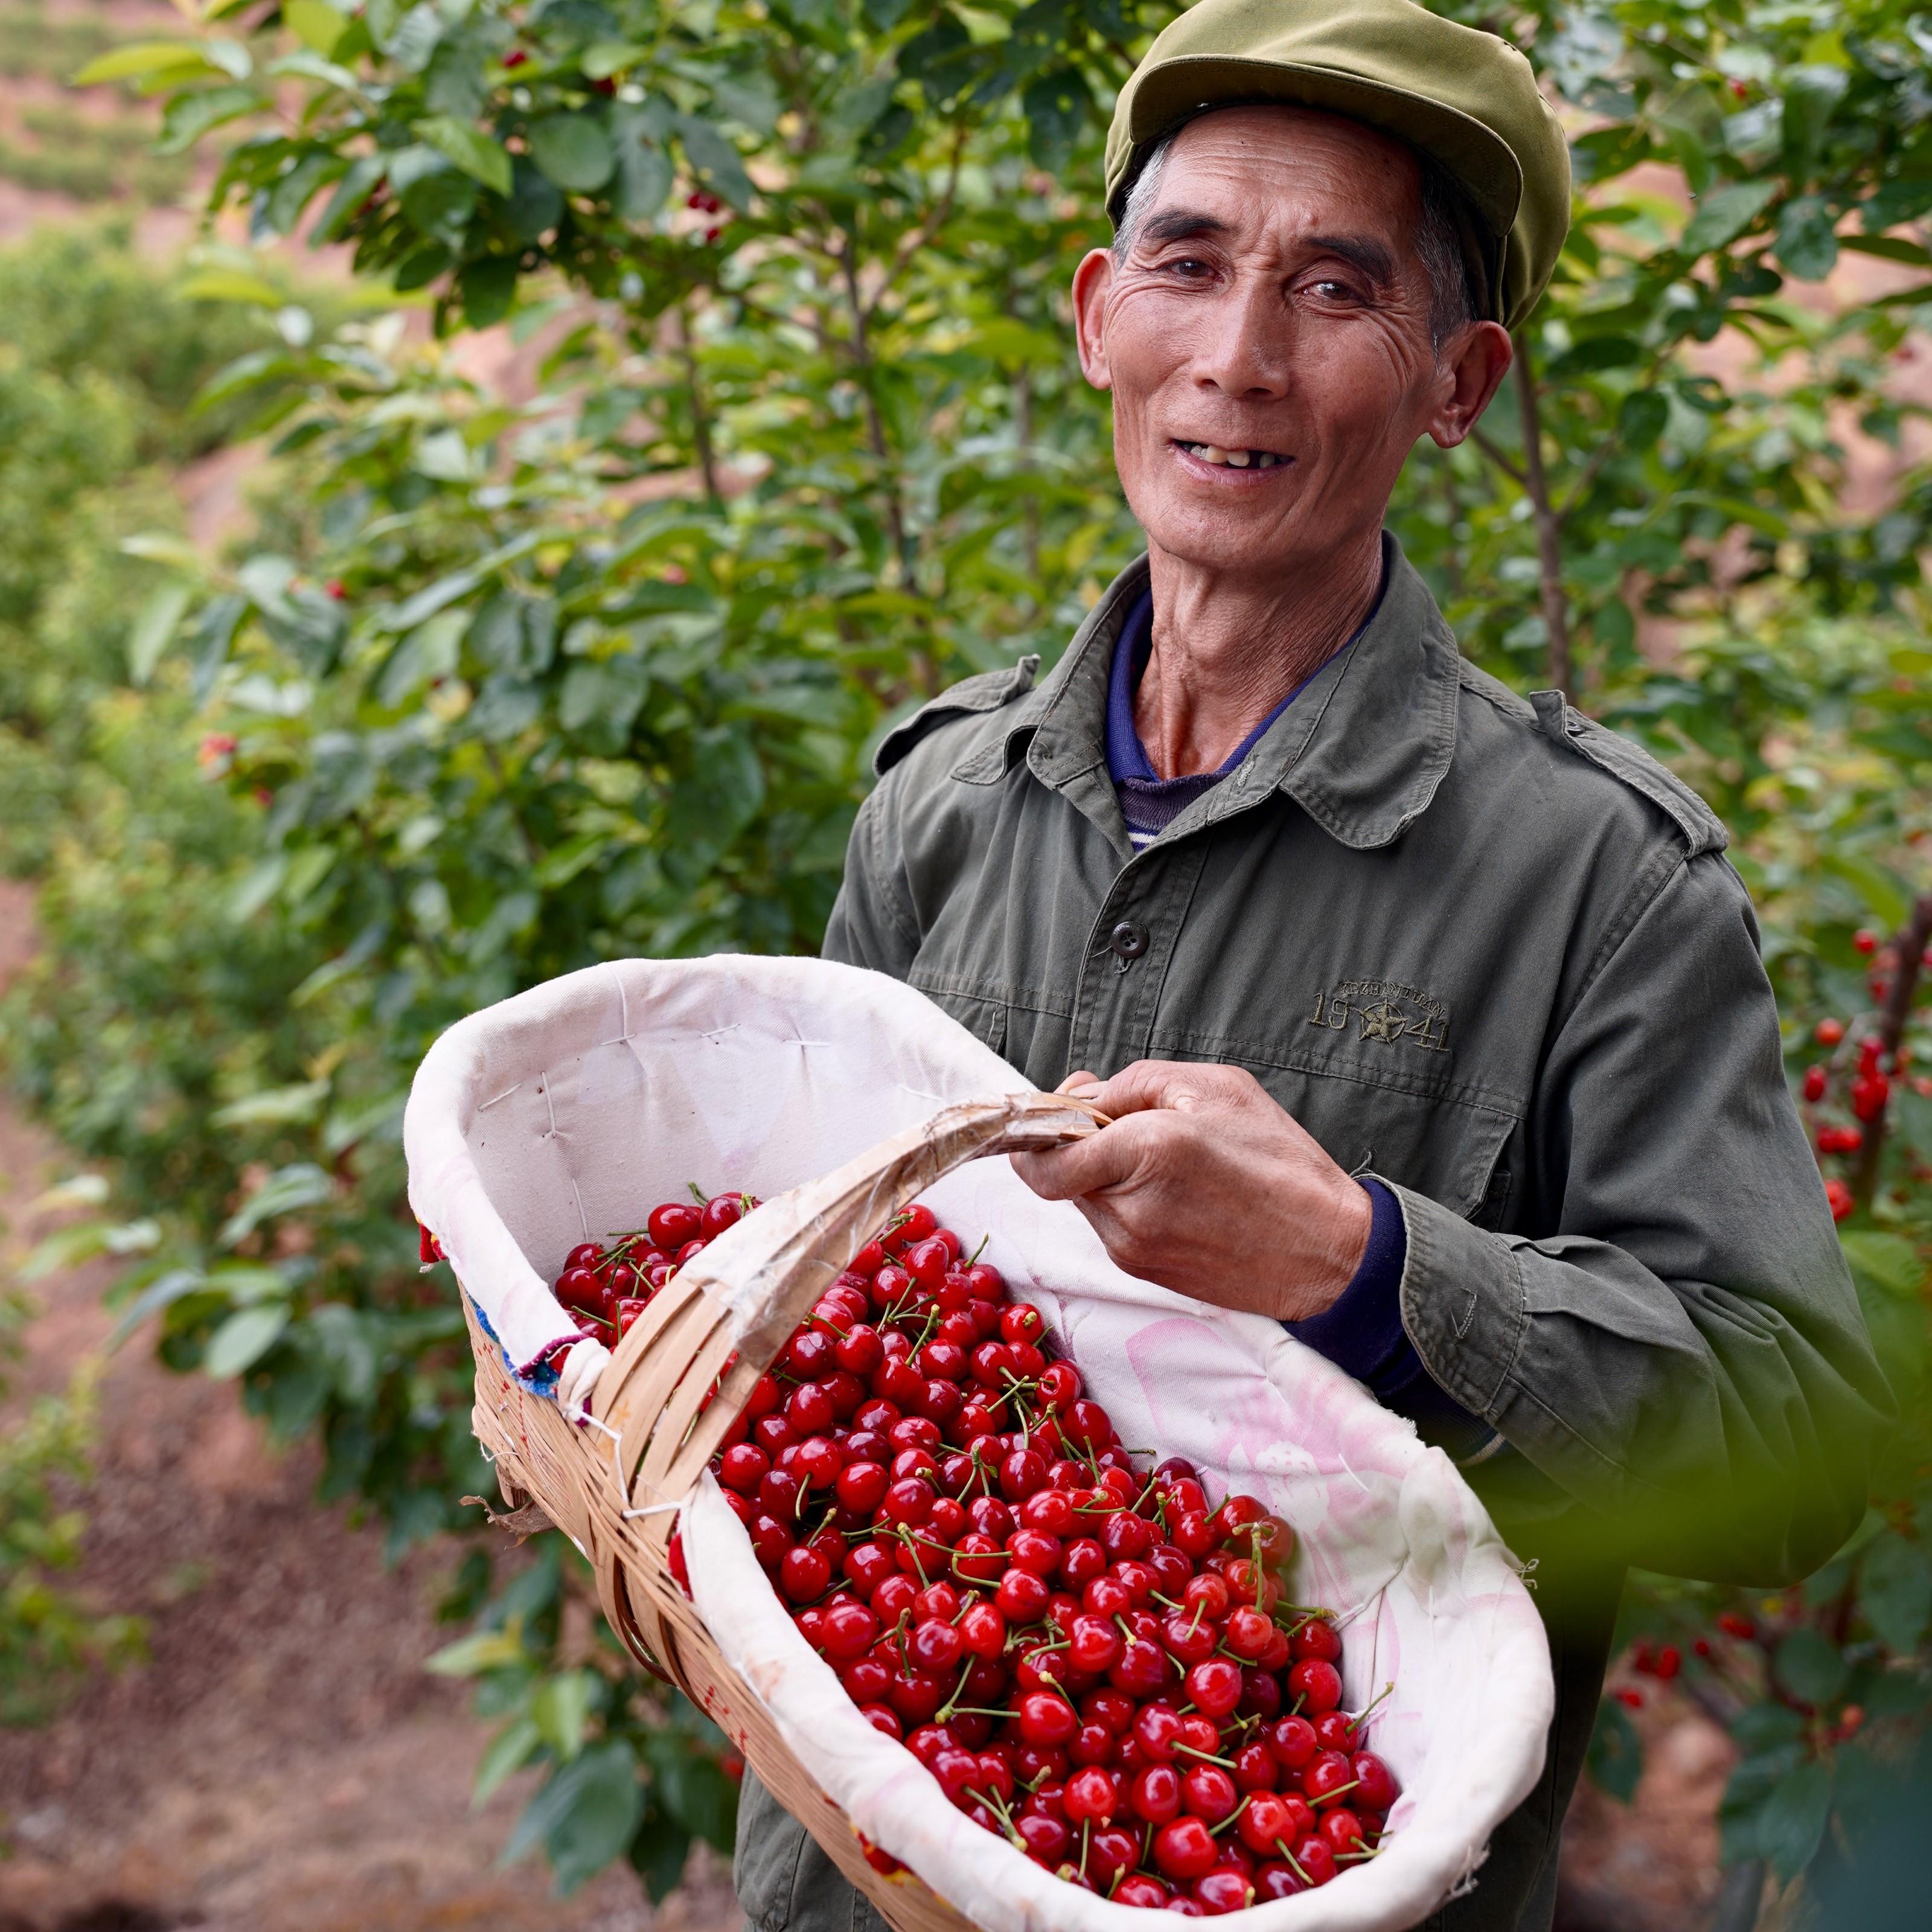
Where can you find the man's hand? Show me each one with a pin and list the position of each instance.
(1203, 1184)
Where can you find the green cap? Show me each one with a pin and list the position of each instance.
(1464, 98)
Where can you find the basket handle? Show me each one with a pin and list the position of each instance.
(751, 1287)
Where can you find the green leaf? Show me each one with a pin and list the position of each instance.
(1725, 213)
(659, 1851)
(508, 1752)
(716, 160)
(562, 1709)
(1880, 889)
(1791, 1825)
(315, 23)
(1810, 1666)
(1895, 1592)
(159, 1293)
(154, 629)
(1056, 105)
(1889, 1261)
(189, 116)
(1889, 248)
(231, 285)
(301, 1185)
(141, 59)
(574, 151)
(475, 1656)
(243, 1338)
(488, 288)
(1806, 243)
(584, 1816)
(276, 1105)
(469, 147)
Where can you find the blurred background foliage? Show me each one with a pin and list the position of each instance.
(699, 401)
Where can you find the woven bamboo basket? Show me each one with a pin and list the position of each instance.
(614, 1487)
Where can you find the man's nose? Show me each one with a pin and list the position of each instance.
(1247, 348)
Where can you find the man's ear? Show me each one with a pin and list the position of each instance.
(1475, 361)
(1093, 283)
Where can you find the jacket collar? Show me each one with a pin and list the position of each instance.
(1361, 750)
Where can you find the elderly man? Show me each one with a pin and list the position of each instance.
(1430, 1016)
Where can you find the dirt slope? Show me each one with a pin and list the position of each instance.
(282, 1763)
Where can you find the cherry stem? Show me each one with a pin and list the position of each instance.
(979, 1250)
(1209, 1755)
(1281, 1845)
(1215, 1830)
(1361, 1716)
(958, 1691)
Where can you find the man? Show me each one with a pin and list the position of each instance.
(1431, 1017)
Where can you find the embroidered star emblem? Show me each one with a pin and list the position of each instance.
(1383, 1021)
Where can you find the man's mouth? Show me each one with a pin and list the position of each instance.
(1234, 459)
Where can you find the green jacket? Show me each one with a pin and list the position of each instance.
(1492, 953)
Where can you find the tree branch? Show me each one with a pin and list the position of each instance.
(700, 423)
(1549, 525)
(1501, 461)
(1909, 948)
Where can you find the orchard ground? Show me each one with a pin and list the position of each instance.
(282, 1762)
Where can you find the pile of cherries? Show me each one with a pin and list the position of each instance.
(1092, 1660)
(607, 1285)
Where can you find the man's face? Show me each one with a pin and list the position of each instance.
(1272, 308)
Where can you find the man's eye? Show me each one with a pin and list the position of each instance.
(1188, 265)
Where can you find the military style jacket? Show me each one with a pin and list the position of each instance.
(1478, 945)
(1491, 953)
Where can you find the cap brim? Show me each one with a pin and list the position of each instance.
(1478, 160)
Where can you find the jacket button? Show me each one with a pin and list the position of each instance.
(1129, 940)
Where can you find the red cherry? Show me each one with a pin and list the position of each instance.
(1215, 1686)
(804, 1574)
(1293, 1742)
(850, 1629)
(1209, 1793)
(1045, 1839)
(1155, 1795)
(1224, 1890)
(1325, 1779)
(674, 1224)
(935, 1647)
(1185, 1849)
(1046, 1718)
(744, 1468)
(720, 1212)
(1033, 1549)
(1317, 1684)
(983, 1630)
(1249, 1633)
(861, 1487)
(1377, 1788)
(1092, 1797)
(1093, 1644)
(1021, 1597)
(1316, 1857)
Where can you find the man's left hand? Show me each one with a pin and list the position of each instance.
(1204, 1185)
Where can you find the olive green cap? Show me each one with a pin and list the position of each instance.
(1465, 98)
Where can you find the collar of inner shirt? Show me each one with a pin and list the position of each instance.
(1149, 803)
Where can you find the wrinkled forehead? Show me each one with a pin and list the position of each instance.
(1271, 160)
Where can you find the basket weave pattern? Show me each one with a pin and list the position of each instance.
(615, 1488)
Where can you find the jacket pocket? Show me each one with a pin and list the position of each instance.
(1448, 1147)
(985, 1019)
